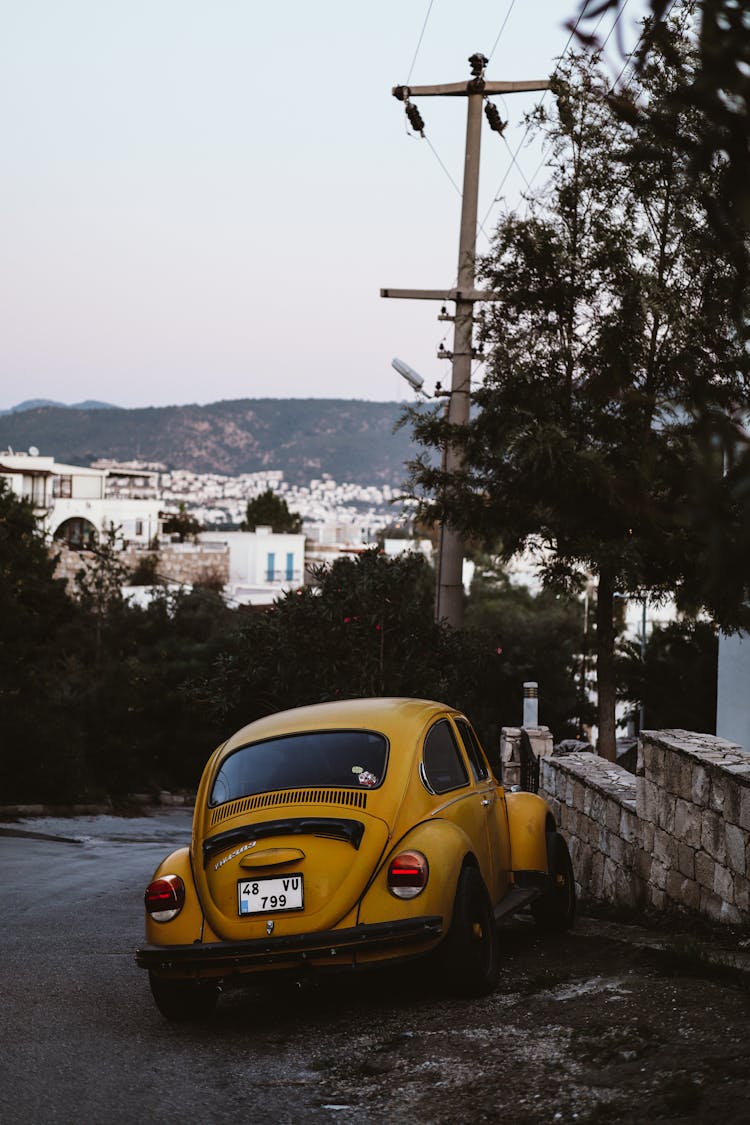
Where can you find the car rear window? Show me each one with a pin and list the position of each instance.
(353, 758)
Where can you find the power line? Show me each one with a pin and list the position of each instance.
(502, 28)
(419, 42)
(514, 155)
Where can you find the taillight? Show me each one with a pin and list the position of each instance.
(165, 898)
(407, 875)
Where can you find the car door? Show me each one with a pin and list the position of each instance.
(492, 799)
(445, 773)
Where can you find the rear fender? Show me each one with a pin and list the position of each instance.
(529, 820)
(445, 846)
(187, 927)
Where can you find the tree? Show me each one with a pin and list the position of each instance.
(367, 629)
(182, 524)
(718, 85)
(611, 339)
(270, 510)
(676, 682)
(535, 637)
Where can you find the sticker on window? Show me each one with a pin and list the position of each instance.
(367, 779)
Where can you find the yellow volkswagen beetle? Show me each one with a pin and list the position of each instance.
(347, 835)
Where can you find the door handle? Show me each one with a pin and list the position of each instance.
(486, 801)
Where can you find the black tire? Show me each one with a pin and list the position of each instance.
(469, 955)
(556, 909)
(184, 999)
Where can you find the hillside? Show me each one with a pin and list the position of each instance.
(348, 439)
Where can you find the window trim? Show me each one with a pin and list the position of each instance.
(460, 722)
(318, 785)
(466, 784)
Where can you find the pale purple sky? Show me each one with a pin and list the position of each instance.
(201, 200)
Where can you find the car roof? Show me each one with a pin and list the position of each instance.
(391, 716)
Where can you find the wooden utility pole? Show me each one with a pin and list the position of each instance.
(449, 601)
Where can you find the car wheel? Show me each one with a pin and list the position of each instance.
(556, 909)
(184, 999)
(469, 955)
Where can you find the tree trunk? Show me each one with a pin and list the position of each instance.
(605, 665)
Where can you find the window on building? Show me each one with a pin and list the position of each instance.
(290, 566)
(443, 766)
(64, 487)
(270, 566)
(139, 527)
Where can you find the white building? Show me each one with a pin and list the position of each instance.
(732, 706)
(73, 502)
(263, 565)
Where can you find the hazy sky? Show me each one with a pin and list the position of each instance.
(201, 199)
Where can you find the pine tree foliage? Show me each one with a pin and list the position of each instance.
(612, 350)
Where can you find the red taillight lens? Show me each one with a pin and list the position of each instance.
(407, 874)
(165, 898)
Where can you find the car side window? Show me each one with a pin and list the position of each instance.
(443, 765)
(476, 757)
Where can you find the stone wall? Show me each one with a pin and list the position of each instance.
(676, 835)
(510, 750)
(183, 563)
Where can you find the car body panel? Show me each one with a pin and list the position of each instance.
(341, 840)
(529, 818)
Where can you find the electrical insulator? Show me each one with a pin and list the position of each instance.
(477, 63)
(415, 118)
(493, 116)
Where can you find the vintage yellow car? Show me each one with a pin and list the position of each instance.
(347, 835)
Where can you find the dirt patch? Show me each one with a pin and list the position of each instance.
(581, 1029)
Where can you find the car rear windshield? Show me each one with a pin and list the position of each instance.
(354, 758)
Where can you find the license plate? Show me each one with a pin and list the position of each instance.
(259, 896)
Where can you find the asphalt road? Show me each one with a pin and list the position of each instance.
(583, 1029)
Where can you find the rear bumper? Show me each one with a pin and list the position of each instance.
(326, 946)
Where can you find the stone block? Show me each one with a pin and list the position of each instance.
(628, 890)
(666, 806)
(511, 775)
(643, 864)
(665, 848)
(647, 799)
(612, 815)
(647, 836)
(609, 881)
(653, 763)
(673, 774)
(582, 867)
(629, 827)
(659, 873)
(656, 898)
(687, 823)
(736, 844)
(640, 760)
(719, 910)
(712, 835)
(597, 807)
(618, 850)
(685, 892)
(578, 791)
(745, 808)
(701, 785)
(742, 894)
(704, 870)
(685, 860)
(597, 870)
(723, 883)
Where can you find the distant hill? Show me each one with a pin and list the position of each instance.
(35, 403)
(350, 440)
